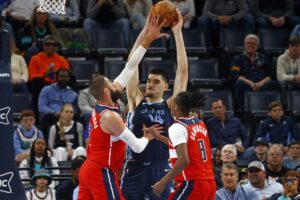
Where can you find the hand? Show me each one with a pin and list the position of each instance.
(154, 28)
(281, 21)
(221, 19)
(176, 28)
(101, 2)
(70, 152)
(158, 188)
(240, 148)
(227, 19)
(297, 78)
(150, 132)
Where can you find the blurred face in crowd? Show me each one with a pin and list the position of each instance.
(50, 47)
(276, 113)
(256, 176)
(218, 157)
(42, 182)
(294, 51)
(290, 185)
(228, 154)
(251, 45)
(229, 178)
(218, 109)
(295, 151)
(67, 113)
(275, 157)
(63, 79)
(40, 147)
(41, 17)
(27, 122)
(261, 149)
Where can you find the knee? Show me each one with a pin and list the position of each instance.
(88, 23)
(203, 21)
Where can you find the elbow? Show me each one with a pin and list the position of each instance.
(138, 149)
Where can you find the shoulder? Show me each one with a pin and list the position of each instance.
(47, 88)
(274, 185)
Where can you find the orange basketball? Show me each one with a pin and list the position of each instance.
(166, 10)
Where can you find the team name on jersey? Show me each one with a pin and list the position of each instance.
(153, 111)
(198, 129)
(95, 123)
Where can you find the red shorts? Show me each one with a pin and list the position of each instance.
(194, 189)
(97, 182)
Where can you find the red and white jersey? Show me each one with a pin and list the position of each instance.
(104, 149)
(193, 132)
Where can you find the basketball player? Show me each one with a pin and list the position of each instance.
(191, 158)
(142, 170)
(106, 149)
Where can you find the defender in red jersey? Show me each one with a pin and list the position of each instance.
(191, 158)
(108, 133)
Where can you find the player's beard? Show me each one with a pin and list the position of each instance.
(115, 95)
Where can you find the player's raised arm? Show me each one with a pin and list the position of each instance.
(181, 78)
(150, 32)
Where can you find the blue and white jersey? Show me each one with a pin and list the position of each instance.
(150, 114)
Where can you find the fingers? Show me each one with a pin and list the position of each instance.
(179, 14)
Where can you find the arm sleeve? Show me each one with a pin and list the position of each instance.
(136, 144)
(242, 10)
(281, 72)
(24, 68)
(43, 101)
(178, 134)
(131, 66)
(17, 145)
(83, 102)
(93, 9)
(207, 10)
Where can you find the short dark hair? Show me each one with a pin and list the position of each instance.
(294, 142)
(294, 40)
(27, 113)
(77, 162)
(163, 74)
(97, 86)
(47, 38)
(274, 104)
(62, 70)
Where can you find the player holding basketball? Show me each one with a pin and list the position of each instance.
(191, 158)
(142, 170)
(106, 149)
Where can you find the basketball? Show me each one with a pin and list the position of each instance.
(166, 10)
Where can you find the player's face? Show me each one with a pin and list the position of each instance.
(68, 113)
(115, 94)
(256, 176)
(229, 178)
(218, 109)
(155, 86)
(27, 122)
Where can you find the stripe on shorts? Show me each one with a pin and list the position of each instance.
(184, 191)
(109, 183)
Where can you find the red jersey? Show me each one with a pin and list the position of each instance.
(104, 149)
(193, 132)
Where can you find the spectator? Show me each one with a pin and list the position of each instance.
(65, 190)
(278, 128)
(274, 13)
(34, 32)
(290, 188)
(65, 137)
(228, 155)
(110, 14)
(257, 181)
(261, 147)
(138, 11)
(25, 135)
(231, 189)
(53, 97)
(251, 71)
(42, 68)
(217, 162)
(222, 13)
(38, 160)
(288, 66)
(274, 168)
(19, 12)
(19, 70)
(71, 18)
(292, 160)
(86, 102)
(41, 180)
(224, 129)
(187, 8)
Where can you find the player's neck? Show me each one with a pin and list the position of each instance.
(153, 99)
(106, 103)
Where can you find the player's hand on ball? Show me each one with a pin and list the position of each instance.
(176, 28)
